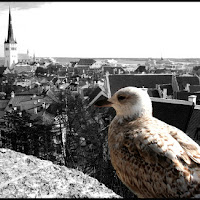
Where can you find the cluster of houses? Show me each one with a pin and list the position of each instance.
(34, 87)
(32, 84)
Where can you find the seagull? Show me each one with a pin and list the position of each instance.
(152, 158)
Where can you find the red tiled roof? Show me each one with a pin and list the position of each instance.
(23, 68)
(3, 104)
(138, 80)
(16, 100)
(86, 62)
(23, 56)
(2, 114)
(183, 80)
(183, 95)
(194, 88)
(48, 100)
(29, 92)
(94, 93)
(52, 95)
(112, 70)
(19, 100)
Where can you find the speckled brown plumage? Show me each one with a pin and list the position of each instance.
(152, 158)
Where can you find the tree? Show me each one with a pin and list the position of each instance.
(40, 71)
(25, 135)
(86, 141)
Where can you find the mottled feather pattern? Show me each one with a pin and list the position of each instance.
(153, 159)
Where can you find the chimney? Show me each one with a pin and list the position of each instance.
(193, 98)
(159, 90)
(43, 105)
(35, 110)
(144, 89)
(82, 141)
(187, 87)
(12, 94)
(164, 93)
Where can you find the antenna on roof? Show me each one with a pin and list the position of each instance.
(161, 56)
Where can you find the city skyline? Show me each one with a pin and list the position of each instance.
(104, 29)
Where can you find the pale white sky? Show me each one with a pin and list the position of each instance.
(104, 29)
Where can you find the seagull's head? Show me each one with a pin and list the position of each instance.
(129, 102)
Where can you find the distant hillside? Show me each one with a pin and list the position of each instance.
(63, 60)
(120, 60)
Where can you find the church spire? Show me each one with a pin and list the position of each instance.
(10, 38)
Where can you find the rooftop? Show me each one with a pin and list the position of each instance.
(23, 56)
(86, 62)
(119, 81)
(172, 111)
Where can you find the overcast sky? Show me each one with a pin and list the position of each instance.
(104, 29)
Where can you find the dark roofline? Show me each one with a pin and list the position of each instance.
(171, 101)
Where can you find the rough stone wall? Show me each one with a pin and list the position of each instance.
(24, 176)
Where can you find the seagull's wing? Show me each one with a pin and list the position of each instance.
(155, 143)
(143, 152)
(190, 146)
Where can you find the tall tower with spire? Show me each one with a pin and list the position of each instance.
(10, 47)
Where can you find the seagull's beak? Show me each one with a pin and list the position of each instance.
(103, 103)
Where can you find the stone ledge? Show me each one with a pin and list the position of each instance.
(25, 176)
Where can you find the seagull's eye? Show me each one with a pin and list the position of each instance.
(120, 98)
